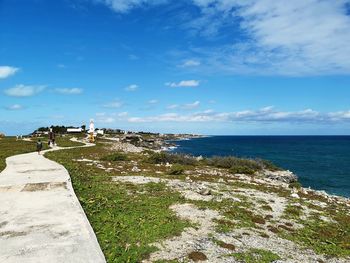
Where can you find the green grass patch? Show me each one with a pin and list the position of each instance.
(330, 238)
(126, 218)
(177, 169)
(292, 212)
(234, 164)
(10, 146)
(256, 256)
(65, 141)
(115, 157)
(164, 157)
(237, 214)
(242, 170)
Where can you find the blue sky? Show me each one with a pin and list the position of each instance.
(201, 66)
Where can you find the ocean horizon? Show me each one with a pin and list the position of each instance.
(321, 162)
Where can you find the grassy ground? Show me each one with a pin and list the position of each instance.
(66, 142)
(128, 218)
(10, 146)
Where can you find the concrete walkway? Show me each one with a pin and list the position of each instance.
(41, 219)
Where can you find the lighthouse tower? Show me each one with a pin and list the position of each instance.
(91, 131)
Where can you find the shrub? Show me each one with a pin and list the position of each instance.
(115, 157)
(177, 169)
(231, 161)
(268, 165)
(240, 165)
(164, 157)
(295, 185)
(236, 165)
(242, 170)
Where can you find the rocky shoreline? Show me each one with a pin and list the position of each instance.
(167, 142)
(266, 215)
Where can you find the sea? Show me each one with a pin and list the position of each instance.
(320, 162)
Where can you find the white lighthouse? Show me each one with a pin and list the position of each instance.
(91, 131)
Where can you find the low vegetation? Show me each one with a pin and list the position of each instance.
(65, 141)
(234, 164)
(115, 157)
(256, 256)
(129, 218)
(10, 146)
(177, 169)
(126, 218)
(164, 158)
(324, 237)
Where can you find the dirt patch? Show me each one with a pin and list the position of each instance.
(35, 187)
(273, 229)
(197, 256)
(9, 234)
(58, 185)
(227, 246)
(226, 223)
(258, 220)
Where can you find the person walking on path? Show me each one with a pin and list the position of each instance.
(39, 146)
(52, 137)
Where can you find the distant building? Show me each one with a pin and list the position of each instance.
(74, 130)
(100, 131)
(40, 133)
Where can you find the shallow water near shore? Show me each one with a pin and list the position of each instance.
(321, 162)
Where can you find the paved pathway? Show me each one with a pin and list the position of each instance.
(41, 219)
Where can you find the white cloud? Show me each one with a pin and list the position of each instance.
(132, 87)
(294, 38)
(114, 104)
(122, 114)
(124, 6)
(172, 106)
(299, 37)
(104, 118)
(150, 105)
(191, 63)
(340, 115)
(153, 101)
(187, 106)
(7, 71)
(183, 83)
(69, 91)
(24, 91)
(15, 107)
(61, 65)
(264, 115)
(191, 106)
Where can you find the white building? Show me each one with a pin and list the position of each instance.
(101, 132)
(74, 130)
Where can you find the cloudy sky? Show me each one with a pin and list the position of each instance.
(202, 66)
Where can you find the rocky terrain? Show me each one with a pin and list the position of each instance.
(263, 216)
(152, 141)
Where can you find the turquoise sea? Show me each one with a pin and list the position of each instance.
(321, 162)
